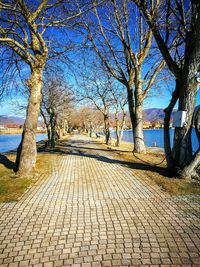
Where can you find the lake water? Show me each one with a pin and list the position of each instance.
(11, 141)
(151, 137)
(155, 136)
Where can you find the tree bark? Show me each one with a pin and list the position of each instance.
(107, 129)
(27, 151)
(121, 132)
(49, 135)
(48, 127)
(167, 143)
(118, 141)
(136, 116)
(182, 149)
(197, 124)
(91, 128)
(53, 128)
(139, 146)
(131, 107)
(190, 170)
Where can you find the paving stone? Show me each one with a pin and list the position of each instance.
(93, 210)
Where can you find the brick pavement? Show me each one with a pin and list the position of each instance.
(94, 211)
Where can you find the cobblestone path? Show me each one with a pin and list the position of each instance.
(94, 211)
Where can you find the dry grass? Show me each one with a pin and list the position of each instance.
(12, 186)
(153, 166)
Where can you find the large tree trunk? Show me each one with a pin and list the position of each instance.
(182, 149)
(167, 143)
(136, 116)
(27, 151)
(131, 107)
(197, 124)
(139, 146)
(190, 171)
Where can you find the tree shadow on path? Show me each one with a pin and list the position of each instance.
(73, 148)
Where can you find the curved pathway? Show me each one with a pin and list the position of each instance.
(94, 211)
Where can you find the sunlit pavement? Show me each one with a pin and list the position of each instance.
(94, 211)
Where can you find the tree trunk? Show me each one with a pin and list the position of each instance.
(118, 141)
(121, 133)
(59, 132)
(64, 127)
(136, 116)
(48, 127)
(182, 149)
(49, 135)
(190, 170)
(91, 127)
(59, 128)
(131, 107)
(139, 146)
(107, 129)
(27, 151)
(197, 124)
(122, 129)
(167, 143)
(53, 128)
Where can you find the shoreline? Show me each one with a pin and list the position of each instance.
(155, 149)
(14, 150)
(15, 132)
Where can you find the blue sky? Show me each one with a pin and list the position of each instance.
(9, 106)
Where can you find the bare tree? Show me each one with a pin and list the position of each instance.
(90, 120)
(24, 34)
(95, 88)
(57, 100)
(180, 30)
(119, 102)
(123, 42)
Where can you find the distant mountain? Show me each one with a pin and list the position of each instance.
(156, 114)
(150, 114)
(11, 119)
(153, 114)
(14, 120)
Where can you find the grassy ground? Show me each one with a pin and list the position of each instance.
(153, 166)
(11, 186)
